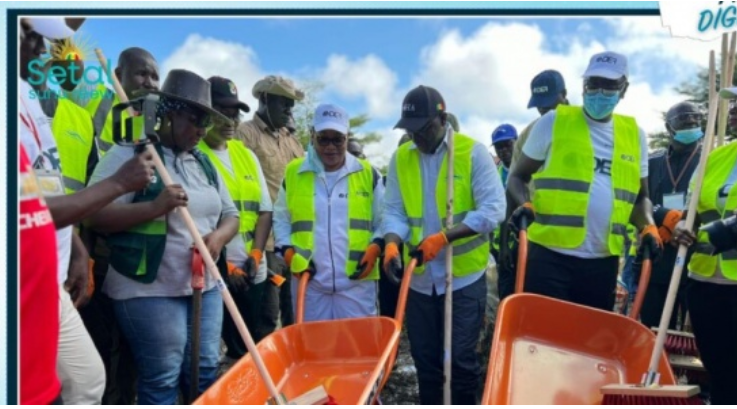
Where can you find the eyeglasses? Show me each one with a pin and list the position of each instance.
(197, 117)
(686, 120)
(608, 88)
(337, 142)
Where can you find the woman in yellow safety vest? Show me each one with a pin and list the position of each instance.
(240, 169)
(712, 273)
(327, 220)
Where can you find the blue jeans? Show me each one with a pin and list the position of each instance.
(158, 330)
(630, 281)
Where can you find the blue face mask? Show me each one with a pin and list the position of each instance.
(599, 106)
(688, 136)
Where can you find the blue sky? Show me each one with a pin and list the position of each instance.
(482, 66)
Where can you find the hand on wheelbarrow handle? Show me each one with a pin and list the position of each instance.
(522, 217)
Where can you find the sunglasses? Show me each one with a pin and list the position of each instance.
(337, 142)
(605, 87)
(685, 120)
(197, 117)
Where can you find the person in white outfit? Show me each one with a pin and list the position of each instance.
(327, 220)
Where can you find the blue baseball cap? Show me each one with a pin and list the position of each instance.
(546, 87)
(503, 133)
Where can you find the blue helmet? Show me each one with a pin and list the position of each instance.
(503, 133)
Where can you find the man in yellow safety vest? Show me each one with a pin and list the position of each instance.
(592, 183)
(415, 214)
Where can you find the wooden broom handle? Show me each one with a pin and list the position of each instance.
(448, 327)
(692, 207)
(200, 244)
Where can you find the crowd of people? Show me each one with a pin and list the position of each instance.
(109, 318)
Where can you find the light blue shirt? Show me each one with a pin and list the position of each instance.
(488, 194)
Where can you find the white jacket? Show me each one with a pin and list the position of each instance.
(331, 227)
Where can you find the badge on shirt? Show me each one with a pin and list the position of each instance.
(50, 182)
(675, 201)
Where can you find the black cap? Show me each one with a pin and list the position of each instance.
(420, 106)
(225, 94)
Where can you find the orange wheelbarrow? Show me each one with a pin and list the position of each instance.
(350, 358)
(551, 352)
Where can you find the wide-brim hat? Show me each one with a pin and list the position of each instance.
(188, 87)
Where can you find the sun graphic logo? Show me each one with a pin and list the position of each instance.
(71, 49)
(233, 89)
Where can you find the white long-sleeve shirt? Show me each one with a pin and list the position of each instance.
(330, 252)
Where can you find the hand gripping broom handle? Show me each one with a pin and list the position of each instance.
(682, 250)
(448, 327)
(211, 267)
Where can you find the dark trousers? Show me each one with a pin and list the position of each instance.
(249, 306)
(713, 309)
(652, 306)
(587, 282)
(116, 354)
(276, 300)
(425, 323)
(388, 295)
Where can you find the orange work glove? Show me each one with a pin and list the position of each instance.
(368, 262)
(238, 278)
(392, 263)
(650, 239)
(253, 262)
(429, 248)
(288, 255)
(670, 221)
(91, 278)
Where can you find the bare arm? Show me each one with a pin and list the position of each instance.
(263, 229)
(642, 213)
(71, 209)
(517, 191)
(117, 217)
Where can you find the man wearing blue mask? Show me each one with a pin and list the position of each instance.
(670, 172)
(590, 171)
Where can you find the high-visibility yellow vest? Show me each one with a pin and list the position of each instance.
(243, 186)
(300, 194)
(470, 255)
(563, 188)
(100, 108)
(719, 165)
(73, 133)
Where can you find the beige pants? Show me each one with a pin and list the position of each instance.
(80, 369)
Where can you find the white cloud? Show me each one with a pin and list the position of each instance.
(368, 79)
(208, 56)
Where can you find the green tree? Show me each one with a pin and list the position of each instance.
(696, 91)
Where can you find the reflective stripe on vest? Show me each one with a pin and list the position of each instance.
(72, 128)
(300, 194)
(470, 255)
(244, 186)
(562, 189)
(719, 166)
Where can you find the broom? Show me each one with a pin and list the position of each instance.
(649, 391)
(448, 333)
(310, 397)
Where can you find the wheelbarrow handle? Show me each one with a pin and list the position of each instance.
(645, 273)
(304, 279)
(521, 256)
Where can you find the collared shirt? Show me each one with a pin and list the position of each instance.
(488, 194)
(274, 150)
(331, 223)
